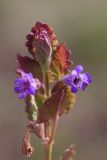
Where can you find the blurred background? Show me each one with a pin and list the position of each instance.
(83, 25)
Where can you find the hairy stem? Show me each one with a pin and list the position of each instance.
(56, 119)
(48, 151)
(46, 80)
(47, 146)
(52, 134)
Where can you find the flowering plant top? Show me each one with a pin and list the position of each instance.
(48, 86)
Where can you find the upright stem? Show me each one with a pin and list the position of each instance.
(48, 151)
(46, 81)
(56, 119)
(48, 146)
(55, 124)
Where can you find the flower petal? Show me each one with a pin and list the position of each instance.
(74, 89)
(79, 68)
(29, 77)
(31, 90)
(18, 81)
(68, 79)
(22, 95)
(83, 85)
(17, 89)
(86, 77)
(74, 73)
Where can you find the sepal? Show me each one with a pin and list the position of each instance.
(27, 148)
(31, 108)
(39, 99)
(69, 153)
(43, 52)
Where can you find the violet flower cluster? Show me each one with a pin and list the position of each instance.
(76, 79)
(48, 87)
(26, 84)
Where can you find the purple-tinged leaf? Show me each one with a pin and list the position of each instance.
(61, 59)
(60, 94)
(69, 97)
(49, 109)
(28, 64)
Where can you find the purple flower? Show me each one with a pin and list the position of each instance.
(76, 79)
(26, 84)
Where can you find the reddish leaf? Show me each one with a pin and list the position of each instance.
(69, 97)
(27, 148)
(28, 64)
(49, 108)
(61, 60)
(60, 95)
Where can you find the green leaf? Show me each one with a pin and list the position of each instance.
(31, 108)
(52, 76)
(68, 102)
(40, 98)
